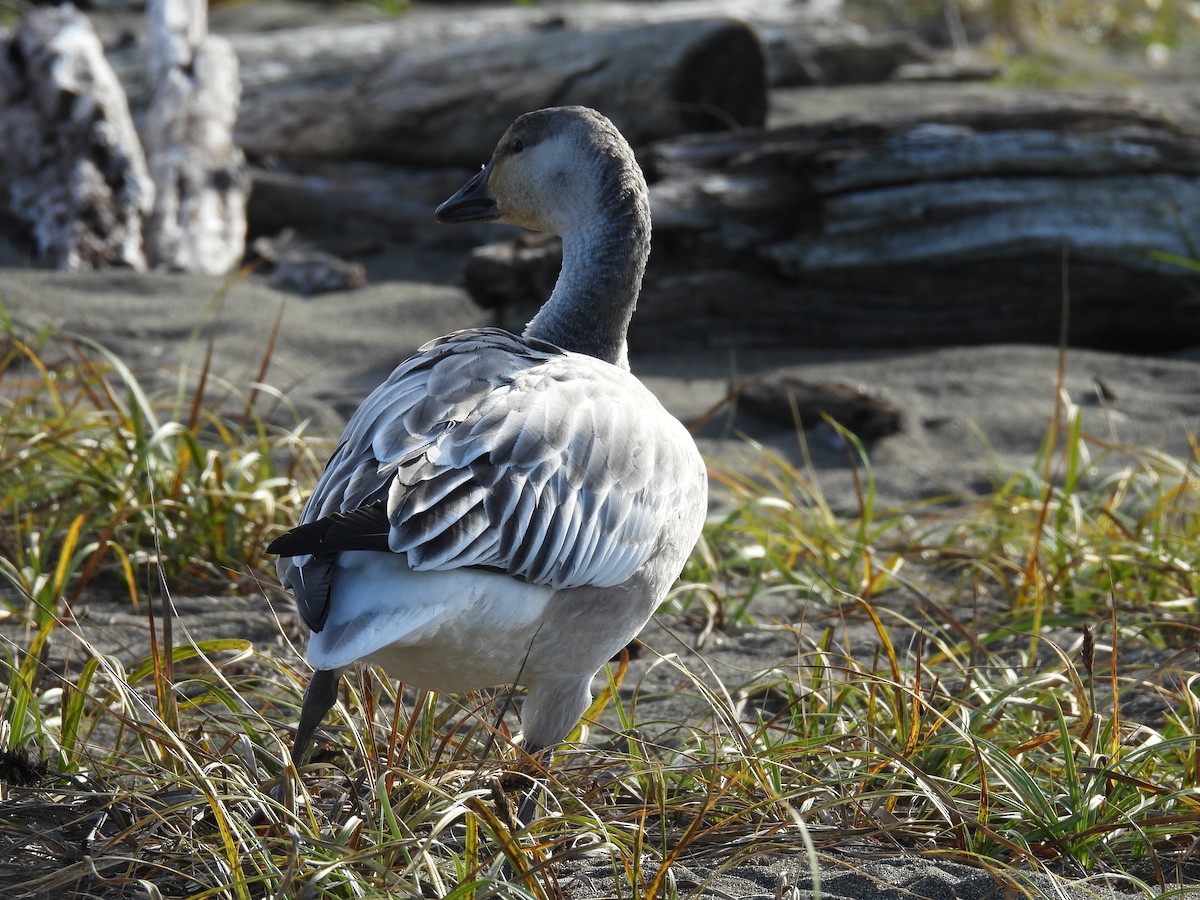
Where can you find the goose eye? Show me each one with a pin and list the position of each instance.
(518, 145)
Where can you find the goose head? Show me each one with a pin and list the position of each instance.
(568, 171)
(555, 170)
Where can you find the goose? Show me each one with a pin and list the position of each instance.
(508, 509)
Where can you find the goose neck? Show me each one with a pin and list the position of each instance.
(597, 289)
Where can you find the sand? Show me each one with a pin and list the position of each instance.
(969, 416)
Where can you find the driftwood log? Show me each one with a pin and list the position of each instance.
(69, 154)
(969, 225)
(447, 105)
(199, 218)
(399, 90)
(804, 43)
(198, 223)
(791, 30)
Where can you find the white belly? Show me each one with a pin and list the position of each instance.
(457, 630)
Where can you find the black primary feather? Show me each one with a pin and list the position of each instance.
(313, 590)
(364, 528)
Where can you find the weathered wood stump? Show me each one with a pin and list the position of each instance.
(199, 218)
(967, 225)
(69, 154)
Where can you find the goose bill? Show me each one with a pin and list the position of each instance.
(471, 203)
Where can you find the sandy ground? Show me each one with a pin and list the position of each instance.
(969, 416)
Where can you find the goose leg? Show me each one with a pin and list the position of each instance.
(319, 697)
(527, 809)
(552, 707)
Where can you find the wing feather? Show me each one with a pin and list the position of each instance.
(499, 452)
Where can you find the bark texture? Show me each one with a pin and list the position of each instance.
(69, 154)
(199, 218)
(447, 105)
(967, 225)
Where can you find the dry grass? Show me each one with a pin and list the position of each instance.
(1021, 689)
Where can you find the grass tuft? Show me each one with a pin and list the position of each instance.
(102, 480)
(1006, 679)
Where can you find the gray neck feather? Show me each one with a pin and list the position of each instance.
(601, 277)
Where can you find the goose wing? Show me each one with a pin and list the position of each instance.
(494, 451)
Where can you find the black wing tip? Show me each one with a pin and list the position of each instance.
(364, 528)
(278, 547)
(312, 586)
(293, 542)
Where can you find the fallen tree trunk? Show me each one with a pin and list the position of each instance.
(199, 218)
(653, 68)
(69, 155)
(448, 106)
(804, 44)
(968, 225)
